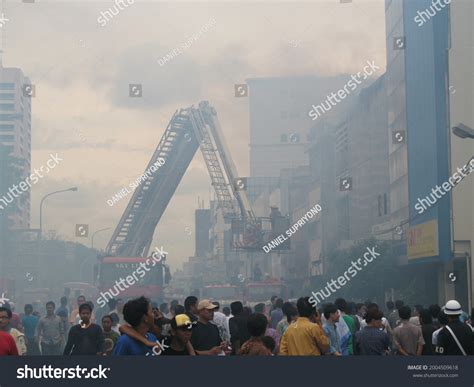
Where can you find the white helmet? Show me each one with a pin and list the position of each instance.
(452, 308)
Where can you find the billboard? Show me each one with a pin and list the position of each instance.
(422, 240)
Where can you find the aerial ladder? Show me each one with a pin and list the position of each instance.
(189, 129)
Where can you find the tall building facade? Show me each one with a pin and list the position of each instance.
(202, 227)
(15, 134)
(351, 146)
(461, 93)
(280, 122)
(322, 163)
(417, 92)
(368, 161)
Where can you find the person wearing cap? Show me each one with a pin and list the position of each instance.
(456, 338)
(181, 332)
(205, 338)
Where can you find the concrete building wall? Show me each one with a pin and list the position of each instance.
(279, 120)
(368, 161)
(461, 89)
(395, 86)
(203, 224)
(15, 133)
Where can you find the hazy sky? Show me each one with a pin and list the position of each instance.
(82, 72)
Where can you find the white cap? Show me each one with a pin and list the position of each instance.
(452, 307)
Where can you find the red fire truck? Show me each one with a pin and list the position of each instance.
(142, 276)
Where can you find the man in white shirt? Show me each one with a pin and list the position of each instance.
(220, 319)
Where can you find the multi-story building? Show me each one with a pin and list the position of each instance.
(279, 119)
(461, 92)
(417, 90)
(294, 188)
(351, 146)
(203, 224)
(368, 162)
(15, 133)
(322, 162)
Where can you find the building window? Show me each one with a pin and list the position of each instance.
(10, 149)
(9, 117)
(7, 127)
(7, 96)
(385, 204)
(7, 137)
(7, 86)
(7, 107)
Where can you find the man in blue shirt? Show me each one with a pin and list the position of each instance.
(138, 313)
(29, 322)
(332, 315)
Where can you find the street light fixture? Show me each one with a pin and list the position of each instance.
(41, 207)
(463, 131)
(102, 229)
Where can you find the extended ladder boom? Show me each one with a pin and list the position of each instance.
(213, 130)
(134, 233)
(188, 129)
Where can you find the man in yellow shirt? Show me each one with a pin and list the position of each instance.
(304, 337)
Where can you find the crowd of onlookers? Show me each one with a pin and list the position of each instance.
(202, 327)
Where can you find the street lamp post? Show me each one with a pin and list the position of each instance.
(463, 131)
(40, 236)
(93, 235)
(41, 207)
